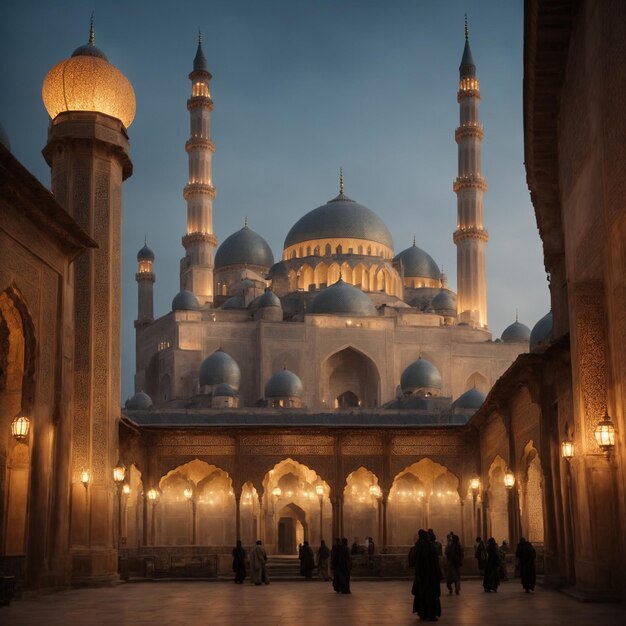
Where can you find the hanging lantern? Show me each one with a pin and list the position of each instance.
(119, 473)
(20, 427)
(475, 484)
(152, 494)
(126, 489)
(605, 434)
(567, 448)
(84, 477)
(509, 479)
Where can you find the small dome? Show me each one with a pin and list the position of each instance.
(218, 368)
(139, 402)
(4, 138)
(245, 247)
(421, 374)
(269, 298)
(234, 302)
(185, 301)
(340, 218)
(88, 82)
(145, 254)
(541, 333)
(418, 264)
(342, 299)
(284, 384)
(278, 270)
(444, 303)
(223, 390)
(471, 399)
(516, 333)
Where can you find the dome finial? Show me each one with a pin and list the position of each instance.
(145, 240)
(341, 180)
(516, 315)
(200, 35)
(245, 222)
(414, 240)
(92, 37)
(466, 29)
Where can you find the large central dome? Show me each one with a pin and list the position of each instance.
(340, 218)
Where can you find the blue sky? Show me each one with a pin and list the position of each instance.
(300, 87)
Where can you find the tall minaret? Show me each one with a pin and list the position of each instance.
(470, 236)
(196, 267)
(145, 281)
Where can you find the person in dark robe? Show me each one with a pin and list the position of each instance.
(480, 554)
(525, 554)
(503, 550)
(323, 558)
(491, 579)
(307, 560)
(345, 566)
(427, 582)
(239, 562)
(355, 548)
(334, 558)
(454, 562)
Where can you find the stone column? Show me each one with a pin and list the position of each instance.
(88, 155)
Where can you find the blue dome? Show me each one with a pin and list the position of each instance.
(445, 302)
(219, 368)
(421, 374)
(139, 402)
(471, 399)
(340, 218)
(89, 50)
(342, 299)
(185, 301)
(284, 384)
(541, 334)
(244, 247)
(269, 298)
(418, 264)
(223, 390)
(234, 302)
(145, 254)
(516, 333)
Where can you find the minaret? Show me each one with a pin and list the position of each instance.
(470, 236)
(145, 281)
(196, 267)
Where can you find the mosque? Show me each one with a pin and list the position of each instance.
(343, 390)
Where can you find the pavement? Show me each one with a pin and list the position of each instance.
(300, 603)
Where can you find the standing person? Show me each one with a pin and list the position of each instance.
(502, 552)
(491, 579)
(346, 566)
(307, 560)
(480, 554)
(427, 583)
(258, 562)
(323, 557)
(526, 554)
(239, 562)
(454, 561)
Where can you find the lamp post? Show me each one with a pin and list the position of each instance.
(376, 493)
(190, 498)
(319, 490)
(276, 493)
(153, 494)
(119, 474)
(475, 487)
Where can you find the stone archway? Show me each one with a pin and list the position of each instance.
(292, 529)
(531, 500)
(349, 378)
(361, 507)
(498, 501)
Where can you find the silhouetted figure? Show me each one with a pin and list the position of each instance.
(480, 554)
(502, 552)
(427, 582)
(437, 544)
(307, 560)
(341, 562)
(355, 548)
(526, 554)
(239, 562)
(323, 561)
(491, 579)
(258, 562)
(454, 562)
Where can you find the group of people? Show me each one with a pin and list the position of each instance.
(258, 564)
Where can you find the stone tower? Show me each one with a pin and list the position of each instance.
(145, 282)
(196, 267)
(91, 104)
(470, 236)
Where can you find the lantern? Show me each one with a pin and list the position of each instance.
(605, 434)
(20, 427)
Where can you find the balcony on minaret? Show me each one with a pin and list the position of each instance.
(468, 88)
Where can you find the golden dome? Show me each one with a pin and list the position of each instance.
(88, 82)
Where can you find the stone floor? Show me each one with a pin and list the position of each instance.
(372, 603)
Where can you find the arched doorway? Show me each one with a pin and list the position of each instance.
(349, 379)
(292, 529)
(498, 501)
(361, 507)
(532, 495)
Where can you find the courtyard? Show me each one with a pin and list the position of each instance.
(301, 603)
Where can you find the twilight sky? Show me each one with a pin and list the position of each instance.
(301, 87)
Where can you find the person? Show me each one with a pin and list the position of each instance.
(454, 562)
(491, 579)
(323, 558)
(239, 562)
(525, 554)
(307, 560)
(341, 562)
(433, 538)
(480, 554)
(371, 547)
(258, 562)
(427, 581)
(355, 547)
(502, 552)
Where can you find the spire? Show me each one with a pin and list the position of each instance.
(466, 29)
(516, 315)
(245, 222)
(341, 180)
(467, 67)
(199, 62)
(92, 37)
(145, 240)
(414, 240)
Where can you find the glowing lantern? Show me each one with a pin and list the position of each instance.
(20, 427)
(605, 434)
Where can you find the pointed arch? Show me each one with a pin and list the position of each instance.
(498, 500)
(479, 381)
(361, 506)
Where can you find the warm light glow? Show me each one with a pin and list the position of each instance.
(277, 492)
(20, 427)
(119, 472)
(509, 479)
(152, 494)
(319, 490)
(88, 83)
(84, 477)
(475, 483)
(375, 491)
(144, 267)
(567, 449)
(188, 492)
(126, 489)
(605, 434)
